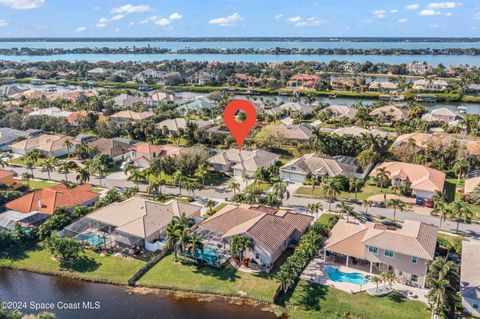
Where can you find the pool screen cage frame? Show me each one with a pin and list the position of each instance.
(113, 239)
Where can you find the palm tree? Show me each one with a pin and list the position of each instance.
(280, 190)
(68, 144)
(195, 243)
(313, 182)
(171, 234)
(183, 237)
(443, 280)
(211, 205)
(245, 178)
(314, 208)
(345, 208)
(382, 175)
(30, 164)
(376, 280)
(460, 168)
(26, 177)
(3, 163)
(49, 165)
(239, 245)
(202, 172)
(178, 179)
(354, 185)
(83, 175)
(66, 167)
(442, 210)
(367, 204)
(153, 186)
(460, 211)
(234, 186)
(136, 176)
(395, 204)
(330, 190)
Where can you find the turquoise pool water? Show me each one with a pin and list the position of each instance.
(209, 255)
(93, 239)
(339, 276)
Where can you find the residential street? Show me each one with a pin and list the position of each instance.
(298, 203)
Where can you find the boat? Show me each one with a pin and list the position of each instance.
(144, 88)
(427, 98)
(462, 109)
(37, 82)
(332, 96)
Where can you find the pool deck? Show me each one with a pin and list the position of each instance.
(314, 273)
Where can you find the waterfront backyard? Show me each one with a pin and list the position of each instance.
(225, 281)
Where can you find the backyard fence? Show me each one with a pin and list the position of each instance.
(152, 262)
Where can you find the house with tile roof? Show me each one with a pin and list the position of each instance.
(124, 101)
(383, 86)
(470, 277)
(180, 123)
(424, 181)
(50, 145)
(271, 230)
(135, 222)
(316, 164)
(198, 106)
(40, 205)
(7, 178)
(144, 154)
(340, 110)
(295, 133)
(240, 161)
(51, 111)
(430, 85)
(303, 81)
(390, 112)
(422, 140)
(118, 149)
(442, 114)
(123, 117)
(9, 135)
(358, 131)
(404, 251)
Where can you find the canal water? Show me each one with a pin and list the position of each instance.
(113, 301)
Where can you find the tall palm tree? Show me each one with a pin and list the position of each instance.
(83, 175)
(49, 165)
(211, 205)
(280, 190)
(395, 204)
(245, 178)
(444, 282)
(354, 185)
(66, 167)
(460, 168)
(171, 234)
(201, 172)
(30, 164)
(313, 183)
(367, 204)
(330, 190)
(26, 177)
(344, 208)
(460, 211)
(383, 175)
(442, 210)
(183, 237)
(234, 186)
(195, 243)
(376, 280)
(136, 176)
(68, 144)
(179, 180)
(153, 186)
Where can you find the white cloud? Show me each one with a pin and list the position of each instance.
(131, 23)
(22, 4)
(413, 6)
(3, 23)
(102, 23)
(175, 16)
(428, 12)
(442, 5)
(117, 17)
(379, 14)
(279, 16)
(366, 21)
(96, 8)
(394, 11)
(80, 29)
(299, 21)
(162, 21)
(130, 8)
(449, 14)
(434, 25)
(477, 15)
(403, 20)
(227, 21)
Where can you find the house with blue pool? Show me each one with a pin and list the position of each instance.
(378, 248)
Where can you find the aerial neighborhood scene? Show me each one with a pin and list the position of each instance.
(205, 161)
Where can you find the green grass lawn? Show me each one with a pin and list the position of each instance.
(365, 193)
(226, 281)
(212, 179)
(91, 266)
(310, 300)
(325, 218)
(39, 184)
(262, 185)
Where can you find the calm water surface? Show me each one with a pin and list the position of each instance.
(115, 301)
(395, 59)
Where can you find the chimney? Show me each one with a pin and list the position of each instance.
(40, 204)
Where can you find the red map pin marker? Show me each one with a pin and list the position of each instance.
(239, 130)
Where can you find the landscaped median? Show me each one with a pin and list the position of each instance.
(310, 300)
(366, 192)
(91, 266)
(226, 281)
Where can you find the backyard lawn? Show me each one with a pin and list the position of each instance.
(91, 266)
(365, 193)
(226, 281)
(310, 300)
(35, 184)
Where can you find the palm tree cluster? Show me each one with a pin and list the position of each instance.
(443, 279)
(457, 210)
(385, 277)
(182, 239)
(239, 245)
(308, 247)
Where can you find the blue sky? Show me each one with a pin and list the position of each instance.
(84, 18)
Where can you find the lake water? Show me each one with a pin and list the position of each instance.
(115, 302)
(391, 59)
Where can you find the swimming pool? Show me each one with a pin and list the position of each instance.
(92, 239)
(209, 255)
(339, 276)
